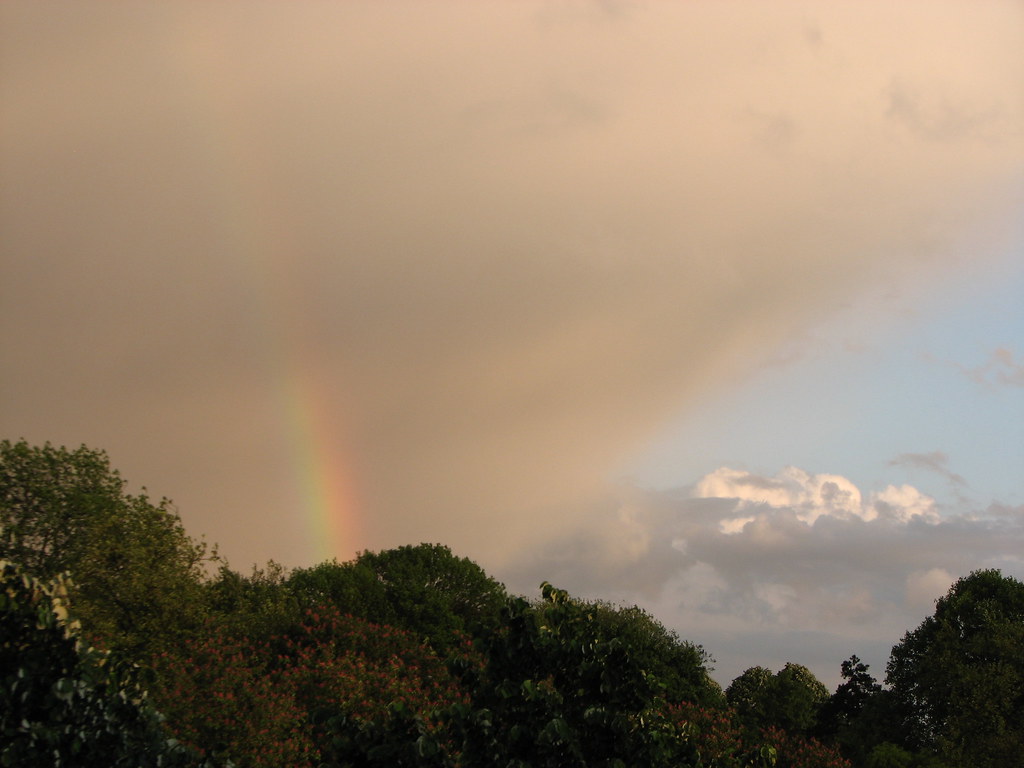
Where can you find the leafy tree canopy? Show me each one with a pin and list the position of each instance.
(959, 677)
(682, 667)
(424, 589)
(62, 702)
(789, 699)
(557, 691)
(136, 573)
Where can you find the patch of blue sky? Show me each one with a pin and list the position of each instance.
(893, 374)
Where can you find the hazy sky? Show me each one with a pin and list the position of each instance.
(711, 307)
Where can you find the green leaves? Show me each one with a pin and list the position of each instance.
(957, 677)
(136, 574)
(566, 691)
(789, 699)
(63, 702)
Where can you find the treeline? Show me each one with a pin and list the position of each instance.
(123, 641)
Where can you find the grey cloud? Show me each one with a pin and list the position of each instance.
(1002, 369)
(937, 119)
(852, 583)
(936, 461)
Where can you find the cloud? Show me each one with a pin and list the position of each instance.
(1001, 369)
(739, 556)
(485, 253)
(936, 118)
(936, 461)
(809, 495)
(924, 586)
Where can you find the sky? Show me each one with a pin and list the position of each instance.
(712, 308)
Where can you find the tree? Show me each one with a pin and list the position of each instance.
(555, 691)
(789, 699)
(860, 715)
(259, 605)
(350, 587)
(798, 751)
(748, 694)
(850, 698)
(682, 667)
(424, 589)
(959, 677)
(63, 702)
(136, 573)
(335, 690)
(797, 695)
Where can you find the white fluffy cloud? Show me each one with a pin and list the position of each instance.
(810, 497)
(792, 567)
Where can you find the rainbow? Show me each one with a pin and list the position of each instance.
(260, 234)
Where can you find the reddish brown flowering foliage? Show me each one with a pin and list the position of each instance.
(713, 731)
(358, 668)
(801, 752)
(718, 737)
(256, 701)
(219, 697)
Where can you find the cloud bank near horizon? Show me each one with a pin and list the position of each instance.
(752, 565)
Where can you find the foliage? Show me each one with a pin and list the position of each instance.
(860, 715)
(798, 751)
(959, 677)
(416, 657)
(789, 699)
(62, 702)
(850, 698)
(888, 755)
(258, 605)
(716, 735)
(332, 689)
(797, 695)
(555, 692)
(221, 696)
(748, 694)
(681, 667)
(350, 587)
(136, 573)
(424, 589)
(721, 742)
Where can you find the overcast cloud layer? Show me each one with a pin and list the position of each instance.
(492, 248)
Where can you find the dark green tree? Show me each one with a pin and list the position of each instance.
(853, 694)
(63, 702)
(259, 605)
(350, 587)
(748, 695)
(682, 667)
(136, 574)
(958, 679)
(861, 716)
(790, 699)
(424, 589)
(556, 691)
(797, 696)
